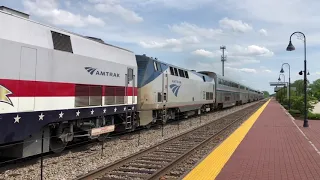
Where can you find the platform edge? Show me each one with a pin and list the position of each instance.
(211, 165)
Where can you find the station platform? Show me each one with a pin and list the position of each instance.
(271, 144)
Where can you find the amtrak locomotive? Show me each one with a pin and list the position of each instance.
(63, 86)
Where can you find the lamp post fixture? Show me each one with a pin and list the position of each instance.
(289, 86)
(292, 48)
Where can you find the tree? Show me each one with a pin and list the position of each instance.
(266, 94)
(315, 89)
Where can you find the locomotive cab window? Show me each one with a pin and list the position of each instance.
(181, 73)
(171, 71)
(157, 66)
(186, 74)
(176, 72)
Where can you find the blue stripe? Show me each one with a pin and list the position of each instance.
(30, 123)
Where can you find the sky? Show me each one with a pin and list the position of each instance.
(189, 33)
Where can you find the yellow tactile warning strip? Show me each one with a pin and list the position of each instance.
(211, 166)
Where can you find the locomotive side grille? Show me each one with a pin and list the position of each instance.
(81, 95)
(61, 42)
(88, 95)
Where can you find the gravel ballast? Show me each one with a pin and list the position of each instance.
(75, 163)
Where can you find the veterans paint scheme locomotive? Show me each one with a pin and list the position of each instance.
(62, 86)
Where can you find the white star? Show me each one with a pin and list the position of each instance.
(92, 111)
(115, 109)
(61, 114)
(104, 110)
(41, 117)
(132, 107)
(78, 113)
(17, 119)
(124, 109)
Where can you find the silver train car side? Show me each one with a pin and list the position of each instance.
(63, 87)
(166, 90)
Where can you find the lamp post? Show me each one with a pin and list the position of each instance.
(289, 86)
(292, 48)
(284, 80)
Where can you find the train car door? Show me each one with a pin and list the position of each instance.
(130, 86)
(165, 87)
(27, 77)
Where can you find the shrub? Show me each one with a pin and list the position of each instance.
(297, 102)
(313, 116)
(294, 112)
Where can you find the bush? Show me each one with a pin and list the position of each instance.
(313, 116)
(297, 102)
(294, 112)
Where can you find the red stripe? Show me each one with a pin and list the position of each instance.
(23, 88)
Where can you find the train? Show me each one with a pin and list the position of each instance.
(57, 86)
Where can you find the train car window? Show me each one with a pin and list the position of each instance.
(176, 72)
(159, 97)
(159, 67)
(171, 71)
(155, 66)
(186, 74)
(204, 80)
(130, 74)
(181, 73)
(61, 42)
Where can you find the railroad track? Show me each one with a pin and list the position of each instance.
(156, 161)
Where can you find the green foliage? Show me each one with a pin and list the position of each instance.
(266, 94)
(297, 103)
(294, 112)
(313, 116)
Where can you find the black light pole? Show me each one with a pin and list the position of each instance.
(284, 80)
(289, 86)
(292, 48)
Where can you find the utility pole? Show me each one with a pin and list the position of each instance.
(223, 58)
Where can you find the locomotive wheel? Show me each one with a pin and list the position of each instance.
(57, 145)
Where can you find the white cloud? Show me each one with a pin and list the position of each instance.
(205, 53)
(114, 7)
(173, 44)
(49, 11)
(188, 29)
(277, 11)
(177, 4)
(263, 32)
(238, 61)
(238, 52)
(252, 50)
(246, 70)
(235, 25)
(267, 71)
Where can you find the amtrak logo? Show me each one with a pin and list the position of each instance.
(90, 70)
(175, 89)
(95, 71)
(4, 92)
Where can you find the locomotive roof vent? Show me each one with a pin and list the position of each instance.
(15, 12)
(96, 39)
